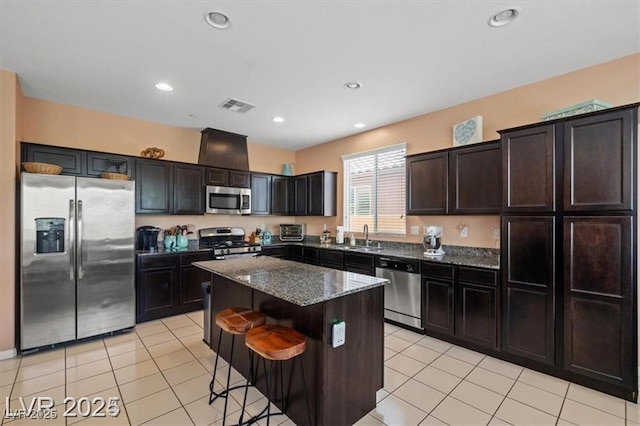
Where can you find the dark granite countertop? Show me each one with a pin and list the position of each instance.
(454, 255)
(162, 250)
(294, 282)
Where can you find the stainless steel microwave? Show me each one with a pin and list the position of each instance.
(225, 200)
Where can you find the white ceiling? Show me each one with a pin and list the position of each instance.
(291, 58)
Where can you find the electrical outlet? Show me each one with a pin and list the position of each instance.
(496, 233)
(338, 334)
(464, 232)
(415, 230)
(424, 230)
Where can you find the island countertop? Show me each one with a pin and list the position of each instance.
(297, 283)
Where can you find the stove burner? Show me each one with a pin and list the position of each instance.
(225, 241)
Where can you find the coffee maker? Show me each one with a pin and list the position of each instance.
(432, 241)
(147, 237)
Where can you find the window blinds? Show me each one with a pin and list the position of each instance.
(374, 190)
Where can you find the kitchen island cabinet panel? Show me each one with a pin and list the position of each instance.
(352, 372)
(598, 162)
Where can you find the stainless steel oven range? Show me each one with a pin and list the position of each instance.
(227, 242)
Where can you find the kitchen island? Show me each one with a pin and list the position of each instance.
(342, 382)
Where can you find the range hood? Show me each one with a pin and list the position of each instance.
(223, 149)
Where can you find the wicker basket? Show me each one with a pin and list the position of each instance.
(114, 176)
(42, 168)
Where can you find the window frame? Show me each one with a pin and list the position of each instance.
(347, 188)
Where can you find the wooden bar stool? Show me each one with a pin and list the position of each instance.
(233, 321)
(275, 343)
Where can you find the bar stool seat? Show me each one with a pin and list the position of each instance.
(239, 320)
(275, 343)
(235, 321)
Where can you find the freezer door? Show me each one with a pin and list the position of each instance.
(105, 256)
(47, 284)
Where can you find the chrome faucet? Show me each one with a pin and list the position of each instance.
(367, 243)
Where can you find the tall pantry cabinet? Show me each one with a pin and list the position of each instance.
(569, 247)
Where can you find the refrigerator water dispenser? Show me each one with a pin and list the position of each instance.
(49, 235)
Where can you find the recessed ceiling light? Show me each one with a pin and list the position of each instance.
(352, 85)
(504, 17)
(359, 125)
(217, 20)
(165, 87)
(277, 120)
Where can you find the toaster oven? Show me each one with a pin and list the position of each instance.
(291, 232)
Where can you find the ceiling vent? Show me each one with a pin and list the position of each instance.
(236, 106)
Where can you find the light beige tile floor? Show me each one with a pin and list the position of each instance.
(160, 375)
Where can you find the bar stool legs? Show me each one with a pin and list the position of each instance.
(275, 343)
(233, 321)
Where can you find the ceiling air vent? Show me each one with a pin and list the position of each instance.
(236, 105)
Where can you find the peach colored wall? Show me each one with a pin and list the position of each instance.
(10, 133)
(616, 82)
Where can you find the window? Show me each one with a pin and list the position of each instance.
(374, 190)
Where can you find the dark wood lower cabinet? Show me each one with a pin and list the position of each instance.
(168, 285)
(599, 332)
(476, 314)
(528, 290)
(438, 303)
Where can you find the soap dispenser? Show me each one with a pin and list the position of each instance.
(352, 240)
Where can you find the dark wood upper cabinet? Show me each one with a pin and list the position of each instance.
(314, 194)
(169, 188)
(427, 184)
(239, 179)
(216, 177)
(598, 162)
(260, 194)
(475, 179)
(300, 195)
(528, 169)
(281, 195)
(188, 189)
(599, 316)
(98, 163)
(528, 290)
(321, 194)
(154, 187)
(72, 161)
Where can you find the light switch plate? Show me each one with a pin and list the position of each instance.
(464, 232)
(415, 230)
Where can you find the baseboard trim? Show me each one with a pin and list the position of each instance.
(11, 353)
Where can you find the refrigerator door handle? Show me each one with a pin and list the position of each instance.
(72, 254)
(79, 241)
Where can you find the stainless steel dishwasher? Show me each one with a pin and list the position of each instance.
(402, 296)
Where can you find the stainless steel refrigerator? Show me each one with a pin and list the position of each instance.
(77, 254)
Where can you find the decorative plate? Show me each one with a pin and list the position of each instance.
(468, 131)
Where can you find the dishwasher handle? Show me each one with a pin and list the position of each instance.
(405, 265)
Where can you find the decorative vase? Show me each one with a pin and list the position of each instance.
(169, 242)
(182, 241)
